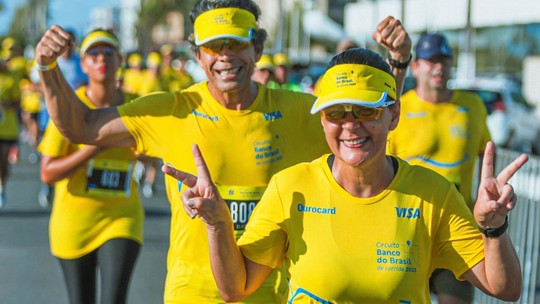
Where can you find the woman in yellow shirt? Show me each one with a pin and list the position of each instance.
(97, 217)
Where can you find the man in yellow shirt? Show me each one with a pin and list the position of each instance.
(248, 131)
(442, 130)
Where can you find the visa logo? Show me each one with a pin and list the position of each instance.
(408, 213)
(273, 115)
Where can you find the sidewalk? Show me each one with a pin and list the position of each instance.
(28, 272)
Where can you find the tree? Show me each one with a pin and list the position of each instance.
(29, 21)
(153, 13)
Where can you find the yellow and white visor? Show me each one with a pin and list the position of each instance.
(227, 22)
(356, 84)
(99, 37)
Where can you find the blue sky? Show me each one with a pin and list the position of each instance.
(66, 13)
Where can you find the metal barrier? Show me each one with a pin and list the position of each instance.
(524, 223)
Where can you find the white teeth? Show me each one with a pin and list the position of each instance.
(227, 72)
(355, 141)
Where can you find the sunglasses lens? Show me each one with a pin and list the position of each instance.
(334, 113)
(338, 113)
(106, 51)
(214, 47)
(366, 113)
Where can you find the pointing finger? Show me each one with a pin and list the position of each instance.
(487, 162)
(512, 168)
(202, 170)
(184, 177)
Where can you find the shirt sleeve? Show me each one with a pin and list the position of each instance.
(265, 238)
(458, 242)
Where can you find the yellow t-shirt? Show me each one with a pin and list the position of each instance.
(132, 81)
(98, 202)
(446, 137)
(338, 248)
(9, 102)
(242, 149)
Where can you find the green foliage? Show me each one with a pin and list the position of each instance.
(153, 12)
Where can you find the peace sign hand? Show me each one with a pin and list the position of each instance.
(202, 199)
(495, 196)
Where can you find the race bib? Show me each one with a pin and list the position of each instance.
(241, 201)
(110, 178)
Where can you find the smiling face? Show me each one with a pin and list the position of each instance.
(357, 143)
(230, 69)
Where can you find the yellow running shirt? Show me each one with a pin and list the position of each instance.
(445, 137)
(242, 149)
(9, 99)
(98, 202)
(338, 248)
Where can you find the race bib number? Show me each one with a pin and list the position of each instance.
(241, 201)
(109, 178)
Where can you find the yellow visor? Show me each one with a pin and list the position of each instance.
(98, 37)
(356, 84)
(227, 22)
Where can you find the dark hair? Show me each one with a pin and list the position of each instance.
(361, 56)
(259, 34)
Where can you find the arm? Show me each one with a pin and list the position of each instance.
(499, 274)
(236, 276)
(74, 120)
(54, 169)
(391, 35)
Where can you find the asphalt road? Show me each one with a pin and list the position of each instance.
(30, 274)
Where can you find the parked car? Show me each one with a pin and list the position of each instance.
(511, 120)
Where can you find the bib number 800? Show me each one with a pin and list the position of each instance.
(240, 212)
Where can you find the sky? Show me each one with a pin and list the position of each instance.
(66, 13)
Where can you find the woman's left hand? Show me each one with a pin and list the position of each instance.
(495, 196)
(202, 199)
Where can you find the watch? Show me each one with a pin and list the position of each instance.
(397, 64)
(495, 232)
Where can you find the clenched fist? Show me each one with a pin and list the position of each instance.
(54, 43)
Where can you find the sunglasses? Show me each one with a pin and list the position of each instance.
(338, 112)
(105, 50)
(215, 47)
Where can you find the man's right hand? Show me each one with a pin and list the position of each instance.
(54, 43)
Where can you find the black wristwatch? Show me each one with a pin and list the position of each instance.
(397, 64)
(495, 232)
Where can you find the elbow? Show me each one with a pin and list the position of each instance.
(46, 179)
(510, 297)
(510, 293)
(229, 296)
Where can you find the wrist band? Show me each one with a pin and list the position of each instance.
(45, 68)
(397, 64)
(495, 232)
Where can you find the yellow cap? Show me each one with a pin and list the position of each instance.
(356, 84)
(153, 60)
(166, 49)
(134, 60)
(8, 43)
(99, 37)
(227, 22)
(280, 59)
(265, 63)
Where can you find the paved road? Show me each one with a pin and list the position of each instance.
(28, 272)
